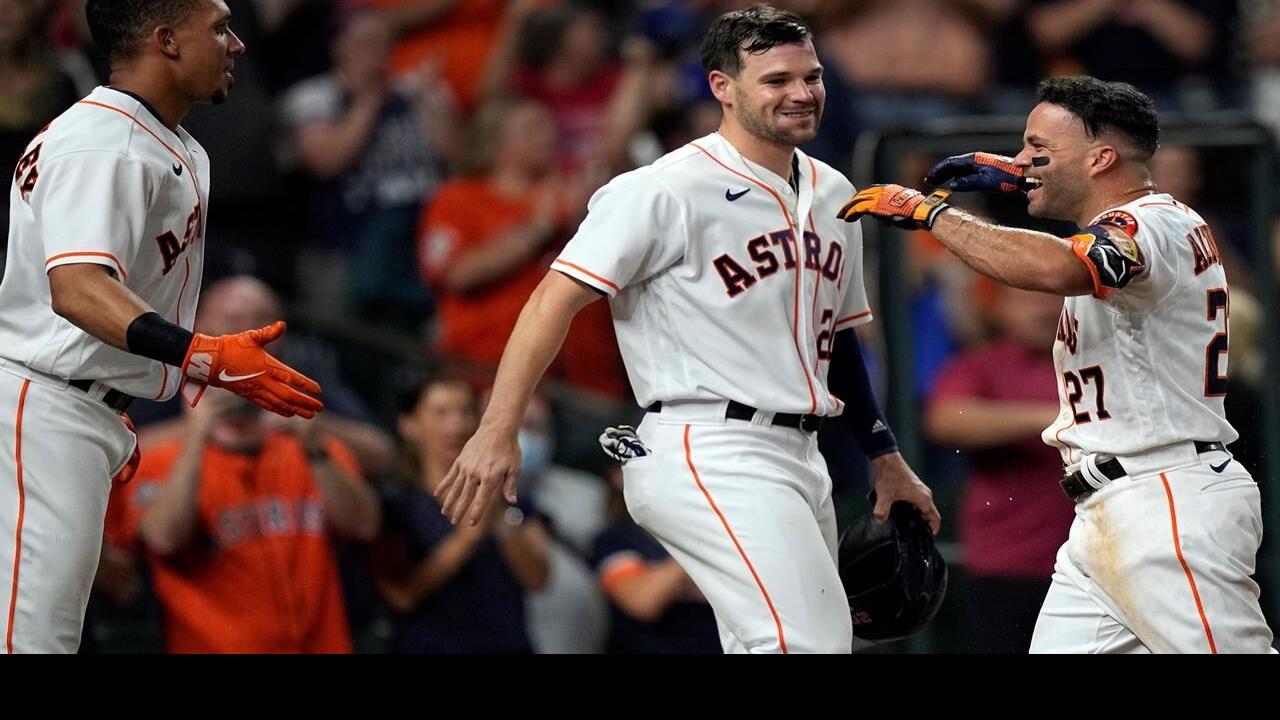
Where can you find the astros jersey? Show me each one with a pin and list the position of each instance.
(105, 183)
(1144, 365)
(724, 282)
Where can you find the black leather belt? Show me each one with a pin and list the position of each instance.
(739, 411)
(114, 399)
(1076, 487)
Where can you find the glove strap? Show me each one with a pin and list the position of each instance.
(933, 206)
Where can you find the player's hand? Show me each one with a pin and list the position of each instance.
(893, 481)
(979, 171)
(238, 363)
(489, 460)
(896, 205)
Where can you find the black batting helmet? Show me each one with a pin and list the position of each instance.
(893, 574)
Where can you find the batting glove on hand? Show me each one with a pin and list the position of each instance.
(622, 444)
(896, 205)
(979, 171)
(238, 363)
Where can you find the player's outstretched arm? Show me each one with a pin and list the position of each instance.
(89, 296)
(1023, 259)
(491, 458)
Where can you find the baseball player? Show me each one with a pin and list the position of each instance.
(106, 244)
(734, 294)
(1167, 526)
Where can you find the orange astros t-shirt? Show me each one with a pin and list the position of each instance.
(467, 214)
(260, 576)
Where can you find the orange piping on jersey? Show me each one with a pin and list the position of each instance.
(164, 380)
(1177, 547)
(119, 266)
(795, 303)
(795, 327)
(138, 122)
(1057, 436)
(177, 320)
(813, 309)
(781, 205)
(817, 283)
(586, 272)
(688, 456)
(22, 506)
(851, 318)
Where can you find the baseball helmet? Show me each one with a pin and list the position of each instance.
(893, 574)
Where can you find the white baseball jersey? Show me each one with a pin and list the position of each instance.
(105, 183)
(724, 282)
(1145, 365)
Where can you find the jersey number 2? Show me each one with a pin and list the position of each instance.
(1215, 381)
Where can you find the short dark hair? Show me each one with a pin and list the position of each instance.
(757, 29)
(118, 27)
(1107, 106)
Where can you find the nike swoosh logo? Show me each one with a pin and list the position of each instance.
(1220, 468)
(224, 377)
(177, 169)
(731, 196)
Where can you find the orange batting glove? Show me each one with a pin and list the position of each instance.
(239, 364)
(896, 205)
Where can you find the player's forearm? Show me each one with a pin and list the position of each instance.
(648, 595)
(350, 504)
(526, 549)
(408, 17)
(170, 521)
(91, 299)
(1057, 26)
(534, 343)
(979, 424)
(1023, 259)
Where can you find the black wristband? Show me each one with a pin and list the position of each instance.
(151, 336)
(847, 377)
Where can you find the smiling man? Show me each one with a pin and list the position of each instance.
(734, 294)
(106, 249)
(1167, 527)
